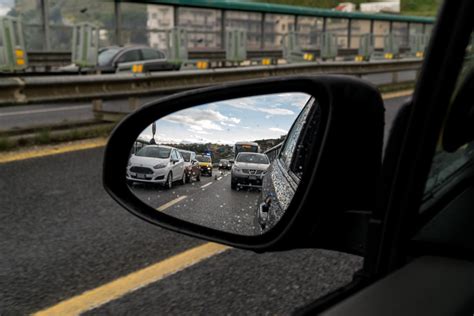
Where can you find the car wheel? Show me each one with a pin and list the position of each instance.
(169, 181)
(184, 178)
(233, 185)
(198, 177)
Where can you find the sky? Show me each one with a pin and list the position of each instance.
(226, 122)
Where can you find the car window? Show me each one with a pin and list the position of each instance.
(106, 56)
(252, 158)
(174, 155)
(203, 159)
(286, 153)
(154, 152)
(447, 165)
(149, 53)
(186, 156)
(129, 56)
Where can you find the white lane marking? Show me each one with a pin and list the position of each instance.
(219, 178)
(207, 184)
(68, 108)
(171, 203)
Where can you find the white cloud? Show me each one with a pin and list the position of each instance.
(199, 120)
(279, 130)
(267, 104)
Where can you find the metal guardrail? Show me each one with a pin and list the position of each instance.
(272, 153)
(67, 88)
(48, 60)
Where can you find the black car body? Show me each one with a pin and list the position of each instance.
(225, 164)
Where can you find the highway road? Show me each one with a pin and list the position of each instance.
(209, 202)
(62, 235)
(15, 117)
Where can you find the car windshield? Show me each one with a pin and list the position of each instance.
(253, 158)
(186, 156)
(224, 161)
(106, 56)
(203, 159)
(154, 152)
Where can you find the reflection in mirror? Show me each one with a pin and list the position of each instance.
(232, 165)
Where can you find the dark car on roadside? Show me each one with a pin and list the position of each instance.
(224, 164)
(153, 59)
(191, 166)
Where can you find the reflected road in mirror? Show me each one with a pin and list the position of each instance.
(224, 165)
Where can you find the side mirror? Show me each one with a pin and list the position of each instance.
(333, 152)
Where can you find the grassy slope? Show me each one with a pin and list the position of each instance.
(409, 7)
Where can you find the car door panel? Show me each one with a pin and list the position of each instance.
(427, 286)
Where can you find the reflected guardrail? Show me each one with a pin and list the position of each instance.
(272, 153)
(26, 90)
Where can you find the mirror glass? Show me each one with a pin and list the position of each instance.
(232, 165)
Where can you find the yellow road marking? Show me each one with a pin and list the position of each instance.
(397, 94)
(113, 290)
(51, 150)
(170, 203)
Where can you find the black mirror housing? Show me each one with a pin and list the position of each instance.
(331, 207)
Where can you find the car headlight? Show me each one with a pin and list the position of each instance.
(129, 164)
(237, 170)
(159, 166)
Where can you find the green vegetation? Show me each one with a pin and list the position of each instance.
(47, 136)
(408, 7)
(219, 151)
(325, 4)
(5, 144)
(420, 7)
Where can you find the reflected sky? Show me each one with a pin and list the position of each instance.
(226, 122)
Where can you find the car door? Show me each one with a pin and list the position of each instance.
(177, 165)
(283, 175)
(130, 55)
(155, 60)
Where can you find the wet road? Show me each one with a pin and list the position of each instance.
(210, 202)
(61, 235)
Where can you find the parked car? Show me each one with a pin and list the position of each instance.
(224, 164)
(205, 164)
(248, 170)
(191, 165)
(155, 60)
(156, 164)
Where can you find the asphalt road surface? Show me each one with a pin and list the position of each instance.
(210, 202)
(62, 235)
